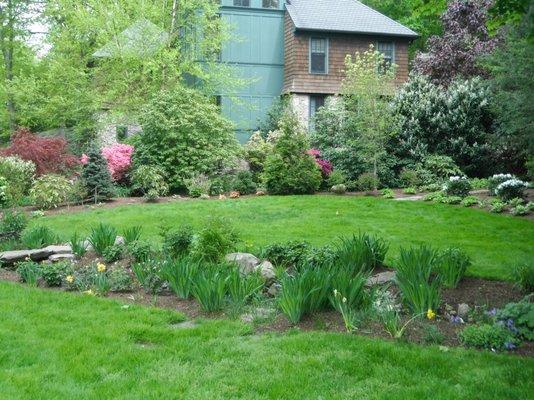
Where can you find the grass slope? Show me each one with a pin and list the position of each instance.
(66, 346)
(495, 242)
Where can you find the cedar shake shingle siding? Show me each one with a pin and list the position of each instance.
(298, 79)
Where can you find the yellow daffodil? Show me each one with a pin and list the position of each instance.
(100, 267)
(430, 314)
(69, 279)
(89, 292)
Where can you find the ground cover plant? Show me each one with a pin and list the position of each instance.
(494, 243)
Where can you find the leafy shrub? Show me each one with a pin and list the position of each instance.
(132, 234)
(119, 160)
(478, 183)
(497, 207)
(78, 245)
(38, 237)
(149, 180)
(49, 154)
(410, 190)
(18, 175)
(50, 191)
(215, 240)
(435, 169)
(178, 243)
(366, 182)
(518, 318)
(101, 237)
(113, 253)
(414, 267)
(519, 210)
(339, 189)
(148, 274)
(387, 193)
(242, 288)
(286, 254)
(496, 180)
(4, 197)
(451, 266)
(457, 186)
(120, 280)
(410, 178)
(244, 183)
(210, 287)
(185, 134)
(121, 132)
(139, 250)
(432, 335)
(469, 201)
(516, 202)
(54, 273)
(337, 178)
(29, 272)
(451, 200)
(95, 175)
(198, 185)
(289, 169)
(256, 151)
(180, 274)
(511, 189)
(524, 276)
(220, 184)
(12, 223)
(492, 337)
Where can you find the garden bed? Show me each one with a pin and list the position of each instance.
(480, 294)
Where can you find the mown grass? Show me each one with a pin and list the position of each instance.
(65, 346)
(496, 243)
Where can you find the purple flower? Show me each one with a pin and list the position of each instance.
(509, 346)
(455, 319)
(492, 312)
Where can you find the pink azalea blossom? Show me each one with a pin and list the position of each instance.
(84, 159)
(325, 165)
(119, 159)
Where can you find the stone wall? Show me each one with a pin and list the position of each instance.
(301, 105)
(107, 128)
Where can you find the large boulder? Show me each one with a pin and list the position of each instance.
(246, 262)
(381, 278)
(11, 257)
(267, 271)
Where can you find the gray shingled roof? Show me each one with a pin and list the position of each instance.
(343, 16)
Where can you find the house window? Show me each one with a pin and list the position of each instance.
(270, 4)
(318, 56)
(388, 50)
(242, 3)
(316, 102)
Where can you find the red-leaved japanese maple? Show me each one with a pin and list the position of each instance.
(49, 154)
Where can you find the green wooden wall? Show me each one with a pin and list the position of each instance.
(257, 54)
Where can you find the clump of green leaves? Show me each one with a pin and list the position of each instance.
(101, 237)
(96, 177)
(148, 274)
(50, 191)
(361, 253)
(210, 287)
(38, 237)
(215, 240)
(113, 253)
(132, 234)
(29, 272)
(180, 273)
(242, 288)
(524, 276)
(78, 245)
(150, 181)
(53, 274)
(140, 251)
(491, 337)
(177, 243)
(12, 223)
(451, 266)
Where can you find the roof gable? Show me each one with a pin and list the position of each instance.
(347, 16)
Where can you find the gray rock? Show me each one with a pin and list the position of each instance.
(266, 270)
(274, 289)
(246, 262)
(120, 240)
(381, 278)
(10, 257)
(61, 257)
(64, 249)
(463, 310)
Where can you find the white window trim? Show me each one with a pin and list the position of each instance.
(327, 50)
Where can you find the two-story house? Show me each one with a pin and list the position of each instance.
(298, 48)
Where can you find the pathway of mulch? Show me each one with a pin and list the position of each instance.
(473, 291)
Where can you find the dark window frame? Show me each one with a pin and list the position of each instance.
(270, 4)
(312, 109)
(311, 54)
(388, 59)
(242, 3)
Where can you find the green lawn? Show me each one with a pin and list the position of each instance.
(495, 242)
(70, 346)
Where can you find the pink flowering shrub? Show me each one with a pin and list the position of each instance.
(119, 158)
(325, 165)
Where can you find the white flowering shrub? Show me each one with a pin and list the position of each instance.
(496, 180)
(511, 189)
(19, 175)
(3, 191)
(457, 186)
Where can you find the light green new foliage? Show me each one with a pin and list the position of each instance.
(38, 237)
(350, 285)
(414, 268)
(210, 287)
(180, 273)
(29, 272)
(361, 253)
(243, 288)
(132, 234)
(78, 245)
(293, 297)
(451, 266)
(101, 237)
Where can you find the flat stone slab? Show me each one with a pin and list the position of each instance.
(63, 249)
(381, 278)
(10, 257)
(61, 257)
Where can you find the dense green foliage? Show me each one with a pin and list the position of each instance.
(96, 177)
(185, 134)
(289, 169)
(51, 191)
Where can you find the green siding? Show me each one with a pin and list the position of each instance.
(257, 54)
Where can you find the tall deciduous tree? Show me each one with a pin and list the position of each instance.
(465, 38)
(368, 88)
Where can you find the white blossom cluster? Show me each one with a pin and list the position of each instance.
(511, 183)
